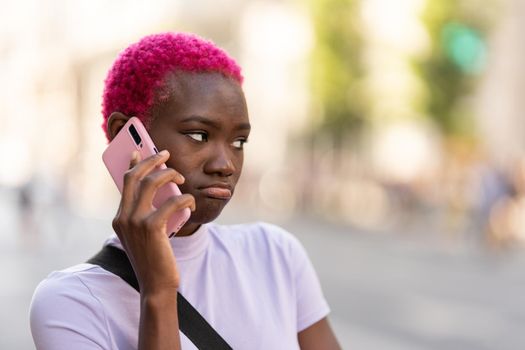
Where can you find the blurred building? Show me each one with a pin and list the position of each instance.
(54, 56)
(501, 102)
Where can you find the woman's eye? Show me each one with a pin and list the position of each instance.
(239, 143)
(198, 136)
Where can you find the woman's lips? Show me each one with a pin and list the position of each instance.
(217, 192)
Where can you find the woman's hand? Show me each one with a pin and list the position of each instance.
(142, 229)
(142, 232)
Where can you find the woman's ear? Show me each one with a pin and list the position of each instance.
(115, 122)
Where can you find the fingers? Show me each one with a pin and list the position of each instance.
(135, 158)
(150, 184)
(133, 179)
(139, 169)
(172, 205)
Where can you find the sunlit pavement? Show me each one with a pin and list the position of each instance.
(386, 291)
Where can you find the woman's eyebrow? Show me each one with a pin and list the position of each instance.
(211, 123)
(200, 119)
(243, 126)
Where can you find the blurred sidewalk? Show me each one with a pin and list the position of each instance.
(386, 291)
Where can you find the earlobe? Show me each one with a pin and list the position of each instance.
(115, 122)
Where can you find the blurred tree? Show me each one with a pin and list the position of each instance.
(336, 68)
(452, 65)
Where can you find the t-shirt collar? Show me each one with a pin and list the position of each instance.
(189, 247)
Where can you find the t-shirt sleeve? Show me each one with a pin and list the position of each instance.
(311, 304)
(65, 315)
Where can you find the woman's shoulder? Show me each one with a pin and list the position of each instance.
(71, 299)
(66, 284)
(59, 294)
(65, 278)
(79, 283)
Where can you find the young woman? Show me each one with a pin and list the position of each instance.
(254, 284)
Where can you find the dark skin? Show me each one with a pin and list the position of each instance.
(203, 126)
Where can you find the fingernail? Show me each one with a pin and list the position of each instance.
(163, 153)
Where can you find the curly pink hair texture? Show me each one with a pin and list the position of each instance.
(140, 70)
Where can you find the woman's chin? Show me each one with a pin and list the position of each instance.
(206, 213)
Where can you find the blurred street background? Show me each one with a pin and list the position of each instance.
(388, 136)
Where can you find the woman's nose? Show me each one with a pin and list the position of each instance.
(220, 161)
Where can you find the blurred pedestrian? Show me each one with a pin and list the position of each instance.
(26, 207)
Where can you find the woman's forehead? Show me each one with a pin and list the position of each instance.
(206, 94)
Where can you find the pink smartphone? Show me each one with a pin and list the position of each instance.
(117, 156)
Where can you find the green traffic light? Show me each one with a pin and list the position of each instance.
(465, 47)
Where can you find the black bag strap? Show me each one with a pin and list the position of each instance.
(191, 322)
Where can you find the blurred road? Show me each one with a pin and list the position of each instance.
(386, 291)
(417, 292)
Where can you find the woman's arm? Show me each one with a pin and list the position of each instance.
(142, 232)
(318, 336)
(159, 321)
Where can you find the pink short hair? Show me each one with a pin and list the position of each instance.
(140, 70)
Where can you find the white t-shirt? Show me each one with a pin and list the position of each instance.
(253, 283)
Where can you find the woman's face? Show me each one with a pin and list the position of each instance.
(203, 125)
